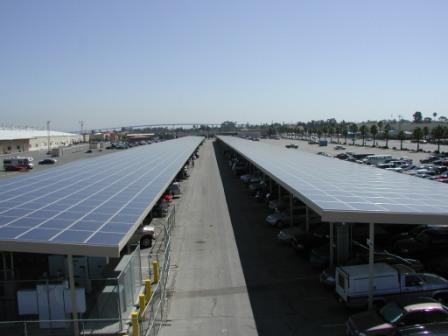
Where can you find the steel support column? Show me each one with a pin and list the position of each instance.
(71, 277)
(291, 215)
(307, 219)
(371, 244)
(331, 244)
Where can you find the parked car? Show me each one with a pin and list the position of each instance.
(282, 219)
(292, 146)
(145, 235)
(390, 281)
(399, 313)
(432, 329)
(161, 209)
(339, 147)
(304, 241)
(285, 235)
(424, 245)
(175, 189)
(328, 275)
(47, 161)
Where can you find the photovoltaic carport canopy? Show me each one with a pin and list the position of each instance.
(88, 207)
(341, 191)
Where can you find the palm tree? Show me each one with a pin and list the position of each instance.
(380, 126)
(437, 133)
(401, 137)
(434, 114)
(374, 132)
(386, 134)
(363, 130)
(417, 134)
(354, 130)
(344, 131)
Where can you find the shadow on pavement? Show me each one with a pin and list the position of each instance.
(284, 291)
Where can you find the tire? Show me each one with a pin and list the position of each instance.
(146, 242)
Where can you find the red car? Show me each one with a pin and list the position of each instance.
(167, 197)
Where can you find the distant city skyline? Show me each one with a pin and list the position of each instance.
(113, 63)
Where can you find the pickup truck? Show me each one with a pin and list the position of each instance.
(390, 281)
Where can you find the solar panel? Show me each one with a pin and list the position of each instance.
(342, 191)
(88, 207)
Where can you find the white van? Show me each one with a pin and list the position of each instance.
(376, 159)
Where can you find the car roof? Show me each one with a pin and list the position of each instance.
(417, 303)
(435, 329)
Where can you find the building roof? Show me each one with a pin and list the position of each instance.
(20, 134)
(88, 207)
(341, 191)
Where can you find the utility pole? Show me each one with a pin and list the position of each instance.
(48, 135)
(81, 123)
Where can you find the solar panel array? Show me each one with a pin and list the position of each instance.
(88, 207)
(348, 192)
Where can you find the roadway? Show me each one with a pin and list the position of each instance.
(208, 294)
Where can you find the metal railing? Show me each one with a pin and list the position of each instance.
(153, 315)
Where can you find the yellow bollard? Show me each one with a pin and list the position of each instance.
(135, 324)
(155, 270)
(141, 303)
(148, 290)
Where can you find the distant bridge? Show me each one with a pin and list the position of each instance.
(173, 125)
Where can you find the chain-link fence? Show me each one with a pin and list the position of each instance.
(154, 314)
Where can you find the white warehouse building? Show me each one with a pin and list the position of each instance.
(23, 140)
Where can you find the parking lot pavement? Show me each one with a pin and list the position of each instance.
(40, 155)
(368, 149)
(285, 294)
(208, 293)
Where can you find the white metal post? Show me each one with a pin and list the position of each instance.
(291, 218)
(331, 244)
(371, 244)
(71, 277)
(307, 220)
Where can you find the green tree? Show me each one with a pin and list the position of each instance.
(401, 137)
(374, 132)
(417, 134)
(425, 132)
(418, 117)
(437, 134)
(386, 134)
(354, 131)
(363, 130)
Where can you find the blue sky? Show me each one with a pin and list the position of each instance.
(115, 63)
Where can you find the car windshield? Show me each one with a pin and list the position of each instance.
(391, 312)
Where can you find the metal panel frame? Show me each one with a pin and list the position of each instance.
(86, 249)
(342, 215)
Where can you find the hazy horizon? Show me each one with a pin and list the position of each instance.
(113, 63)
